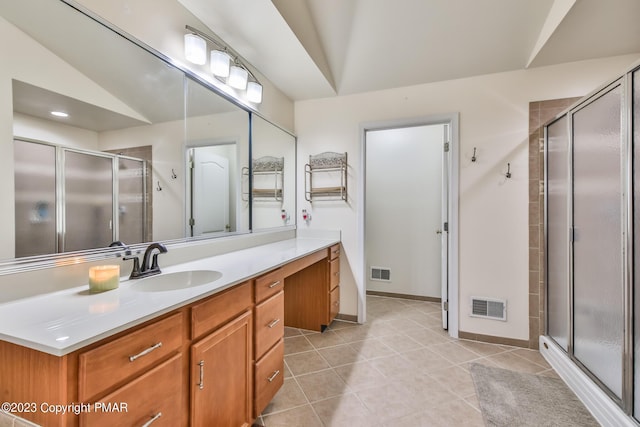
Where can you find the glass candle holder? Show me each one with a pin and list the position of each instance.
(104, 278)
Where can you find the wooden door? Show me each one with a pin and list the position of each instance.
(221, 376)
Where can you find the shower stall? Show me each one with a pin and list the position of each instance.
(70, 200)
(592, 202)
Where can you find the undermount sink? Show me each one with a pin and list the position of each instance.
(175, 281)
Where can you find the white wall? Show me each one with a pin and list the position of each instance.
(493, 242)
(403, 208)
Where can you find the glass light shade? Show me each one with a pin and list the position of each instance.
(254, 92)
(220, 63)
(195, 49)
(238, 77)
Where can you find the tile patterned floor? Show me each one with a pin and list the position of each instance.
(399, 369)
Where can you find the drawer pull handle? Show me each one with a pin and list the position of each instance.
(274, 284)
(145, 352)
(273, 323)
(201, 383)
(273, 376)
(152, 420)
(337, 273)
(337, 252)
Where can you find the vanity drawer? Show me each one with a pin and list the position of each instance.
(269, 323)
(268, 377)
(269, 284)
(220, 308)
(334, 301)
(124, 357)
(156, 394)
(334, 251)
(334, 273)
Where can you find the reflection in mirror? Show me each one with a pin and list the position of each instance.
(125, 133)
(274, 175)
(216, 149)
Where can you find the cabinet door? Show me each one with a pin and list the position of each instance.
(221, 376)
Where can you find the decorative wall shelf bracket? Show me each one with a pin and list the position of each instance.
(326, 177)
(267, 179)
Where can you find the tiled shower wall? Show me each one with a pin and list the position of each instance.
(540, 112)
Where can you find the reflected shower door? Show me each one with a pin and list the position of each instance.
(597, 248)
(636, 242)
(35, 198)
(558, 231)
(131, 200)
(88, 201)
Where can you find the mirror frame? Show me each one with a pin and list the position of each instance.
(31, 263)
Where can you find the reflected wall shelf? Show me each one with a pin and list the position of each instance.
(267, 179)
(326, 177)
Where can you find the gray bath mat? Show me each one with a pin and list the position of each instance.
(509, 398)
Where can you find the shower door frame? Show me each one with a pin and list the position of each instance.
(626, 402)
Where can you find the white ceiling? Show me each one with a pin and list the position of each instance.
(322, 48)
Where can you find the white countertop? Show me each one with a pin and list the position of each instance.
(61, 322)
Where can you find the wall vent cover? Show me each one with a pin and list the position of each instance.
(489, 308)
(381, 274)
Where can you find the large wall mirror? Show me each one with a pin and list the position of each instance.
(143, 152)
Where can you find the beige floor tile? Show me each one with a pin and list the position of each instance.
(300, 416)
(385, 402)
(550, 373)
(425, 361)
(322, 385)
(340, 355)
(421, 391)
(6, 420)
(456, 379)
(400, 343)
(325, 339)
(291, 332)
(304, 363)
(381, 328)
(394, 367)
(473, 401)
(360, 376)
(427, 337)
(532, 356)
(289, 396)
(510, 360)
(456, 413)
(297, 344)
(372, 348)
(353, 334)
(454, 353)
(403, 323)
(345, 411)
(483, 349)
(287, 371)
(340, 324)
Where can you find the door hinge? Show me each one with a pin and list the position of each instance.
(445, 226)
(192, 222)
(445, 305)
(446, 147)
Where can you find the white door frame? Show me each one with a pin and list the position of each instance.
(452, 119)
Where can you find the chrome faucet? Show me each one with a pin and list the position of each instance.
(147, 270)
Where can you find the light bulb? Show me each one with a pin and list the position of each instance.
(254, 92)
(238, 77)
(220, 63)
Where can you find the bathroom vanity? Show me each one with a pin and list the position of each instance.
(211, 354)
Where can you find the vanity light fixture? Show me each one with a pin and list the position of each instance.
(195, 49)
(59, 114)
(225, 64)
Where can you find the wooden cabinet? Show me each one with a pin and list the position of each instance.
(269, 339)
(222, 377)
(309, 301)
(121, 359)
(148, 400)
(218, 361)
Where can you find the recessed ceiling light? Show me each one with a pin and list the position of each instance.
(59, 114)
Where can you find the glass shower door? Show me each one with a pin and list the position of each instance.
(598, 247)
(557, 191)
(88, 201)
(131, 200)
(35, 198)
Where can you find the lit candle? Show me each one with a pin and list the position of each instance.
(104, 278)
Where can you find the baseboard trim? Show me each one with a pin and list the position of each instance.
(404, 296)
(493, 339)
(603, 409)
(347, 317)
